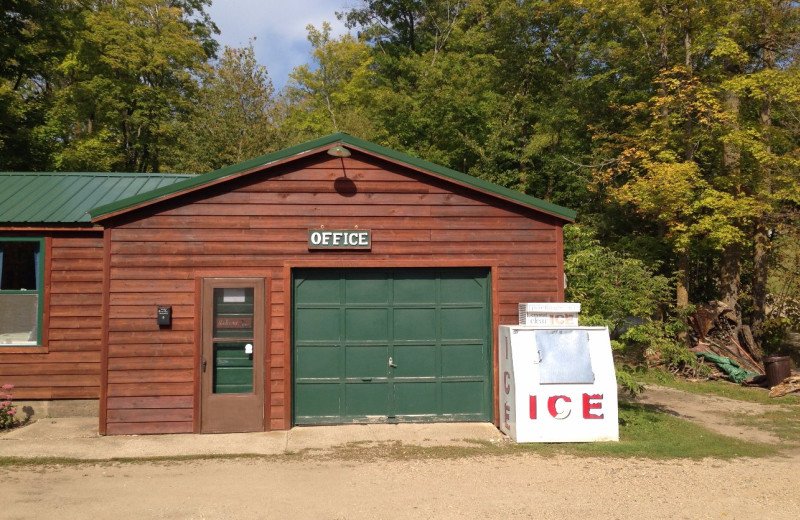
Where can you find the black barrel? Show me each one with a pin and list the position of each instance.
(777, 369)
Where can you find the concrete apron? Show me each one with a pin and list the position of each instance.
(77, 438)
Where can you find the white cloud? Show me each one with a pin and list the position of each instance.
(279, 28)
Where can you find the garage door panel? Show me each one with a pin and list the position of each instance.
(416, 398)
(414, 288)
(317, 287)
(463, 323)
(366, 288)
(317, 362)
(414, 361)
(366, 361)
(464, 360)
(317, 325)
(414, 324)
(463, 397)
(367, 325)
(317, 400)
(458, 288)
(367, 399)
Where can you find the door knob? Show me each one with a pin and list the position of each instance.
(391, 363)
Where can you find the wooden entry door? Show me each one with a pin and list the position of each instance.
(232, 365)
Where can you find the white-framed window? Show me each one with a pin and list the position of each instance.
(21, 291)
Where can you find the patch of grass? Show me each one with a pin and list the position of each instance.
(645, 432)
(783, 423)
(67, 461)
(649, 433)
(719, 388)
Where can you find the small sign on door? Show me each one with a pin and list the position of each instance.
(234, 323)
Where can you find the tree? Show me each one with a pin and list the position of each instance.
(34, 36)
(234, 117)
(334, 96)
(126, 75)
(697, 157)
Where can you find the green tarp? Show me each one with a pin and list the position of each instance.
(727, 365)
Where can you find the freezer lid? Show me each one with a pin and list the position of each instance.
(564, 357)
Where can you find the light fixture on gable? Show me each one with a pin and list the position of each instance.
(339, 151)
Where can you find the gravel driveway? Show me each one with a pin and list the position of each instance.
(503, 487)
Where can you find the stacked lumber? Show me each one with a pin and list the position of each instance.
(716, 330)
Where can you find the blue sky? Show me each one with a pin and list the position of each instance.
(279, 27)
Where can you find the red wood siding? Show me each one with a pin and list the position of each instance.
(67, 365)
(258, 226)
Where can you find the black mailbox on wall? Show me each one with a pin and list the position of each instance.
(164, 316)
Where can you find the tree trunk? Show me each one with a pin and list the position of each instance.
(730, 278)
(731, 265)
(761, 232)
(682, 287)
(688, 125)
(760, 270)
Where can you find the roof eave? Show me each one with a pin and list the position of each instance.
(473, 183)
(286, 155)
(113, 209)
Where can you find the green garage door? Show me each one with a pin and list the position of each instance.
(392, 345)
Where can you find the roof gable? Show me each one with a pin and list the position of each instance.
(194, 183)
(37, 198)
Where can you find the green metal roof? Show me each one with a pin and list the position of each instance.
(65, 198)
(165, 192)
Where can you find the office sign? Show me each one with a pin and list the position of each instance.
(339, 239)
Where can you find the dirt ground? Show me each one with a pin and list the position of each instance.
(519, 486)
(710, 411)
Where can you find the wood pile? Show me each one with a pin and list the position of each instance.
(716, 330)
(787, 386)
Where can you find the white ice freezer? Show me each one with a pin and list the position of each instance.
(557, 384)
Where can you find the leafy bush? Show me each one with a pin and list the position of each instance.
(612, 288)
(8, 412)
(627, 296)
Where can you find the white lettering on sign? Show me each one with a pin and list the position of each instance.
(339, 239)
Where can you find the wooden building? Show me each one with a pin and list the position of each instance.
(51, 279)
(336, 281)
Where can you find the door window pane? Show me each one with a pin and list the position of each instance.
(233, 312)
(233, 368)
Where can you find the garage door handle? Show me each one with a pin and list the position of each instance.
(391, 363)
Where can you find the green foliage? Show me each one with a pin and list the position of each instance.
(611, 285)
(333, 96)
(658, 342)
(784, 289)
(102, 84)
(628, 297)
(627, 381)
(234, 118)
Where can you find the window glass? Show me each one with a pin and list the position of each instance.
(20, 292)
